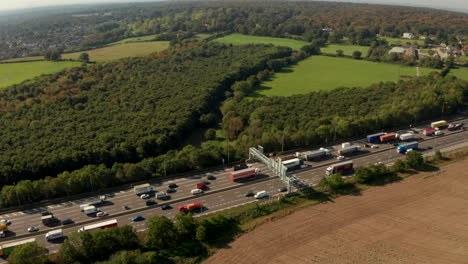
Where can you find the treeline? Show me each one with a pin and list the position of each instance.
(300, 20)
(118, 112)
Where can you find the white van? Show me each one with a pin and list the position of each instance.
(161, 195)
(261, 195)
(90, 209)
(55, 234)
(196, 191)
(83, 206)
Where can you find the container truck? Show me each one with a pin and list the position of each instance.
(405, 147)
(142, 189)
(439, 124)
(429, 131)
(375, 138)
(348, 150)
(101, 225)
(245, 174)
(452, 127)
(292, 163)
(190, 207)
(340, 167)
(312, 155)
(7, 248)
(388, 137)
(55, 234)
(407, 136)
(90, 209)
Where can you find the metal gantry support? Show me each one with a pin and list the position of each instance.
(276, 166)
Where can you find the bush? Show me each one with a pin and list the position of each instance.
(333, 182)
(414, 159)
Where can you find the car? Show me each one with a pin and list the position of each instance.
(249, 194)
(366, 145)
(170, 190)
(166, 207)
(125, 207)
(173, 185)
(2, 234)
(374, 146)
(196, 191)
(206, 182)
(201, 186)
(303, 166)
(102, 197)
(138, 218)
(429, 147)
(261, 194)
(150, 202)
(33, 229)
(5, 222)
(211, 177)
(101, 214)
(67, 221)
(44, 213)
(340, 157)
(283, 189)
(144, 196)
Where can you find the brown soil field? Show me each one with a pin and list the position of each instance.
(422, 219)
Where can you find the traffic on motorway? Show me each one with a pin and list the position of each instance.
(213, 191)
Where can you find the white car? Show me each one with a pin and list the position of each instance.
(2, 234)
(340, 157)
(33, 229)
(101, 214)
(374, 146)
(304, 166)
(5, 222)
(144, 196)
(196, 191)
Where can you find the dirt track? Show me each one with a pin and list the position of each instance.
(418, 220)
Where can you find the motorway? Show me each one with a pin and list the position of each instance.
(223, 193)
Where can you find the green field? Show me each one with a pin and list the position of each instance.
(12, 73)
(134, 49)
(239, 39)
(347, 49)
(135, 39)
(326, 73)
(398, 41)
(461, 72)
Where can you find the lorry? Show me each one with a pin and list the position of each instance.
(348, 150)
(190, 207)
(407, 136)
(452, 127)
(292, 163)
(101, 225)
(439, 124)
(405, 147)
(142, 189)
(388, 137)
(429, 131)
(90, 209)
(312, 155)
(245, 174)
(340, 167)
(375, 138)
(7, 248)
(54, 234)
(48, 219)
(240, 167)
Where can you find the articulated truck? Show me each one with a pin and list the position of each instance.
(142, 189)
(407, 136)
(292, 163)
(340, 167)
(348, 150)
(190, 207)
(439, 124)
(388, 137)
(248, 174)
(313, 155)
(101, 225)
(406, 147)
(375, 138)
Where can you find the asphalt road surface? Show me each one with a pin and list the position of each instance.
(222, 192)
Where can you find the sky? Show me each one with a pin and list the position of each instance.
(21, 4)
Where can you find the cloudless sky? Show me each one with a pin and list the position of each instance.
(20, 4)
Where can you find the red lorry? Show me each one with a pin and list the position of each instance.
(387, 137)
(340, 167)
(245, 174)
(190, 207)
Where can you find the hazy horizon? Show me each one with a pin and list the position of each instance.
(25, 4)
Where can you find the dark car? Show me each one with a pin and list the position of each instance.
(171, 190)
(125, 207)
(138, 218)
(206, 182)
(150, 202)
(240, 167)
(211, 177)
(166, 207)
(283, 189)
(366, 145)
(429, 147)
(249, 194)
(173, 185)
(67, 221)
(44, 213)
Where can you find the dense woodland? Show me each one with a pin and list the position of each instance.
(301, 20)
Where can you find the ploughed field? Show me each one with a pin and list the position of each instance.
(326, 73)
(422, 219)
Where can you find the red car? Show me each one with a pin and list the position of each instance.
(201, 186)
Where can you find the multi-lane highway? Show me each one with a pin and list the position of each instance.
(223, 193)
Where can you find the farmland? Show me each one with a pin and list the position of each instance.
(239, 39)
(135, 39)
(461, 72)
(326, 73)
(399, 41)
(12, 73)
(347, 49)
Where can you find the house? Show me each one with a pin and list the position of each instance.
(408, 35)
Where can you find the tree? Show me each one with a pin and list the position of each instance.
(28, 253)
(210, 134)
(161, 234)
(339, 53)
(357, 55)
(311, 49)
(414, 159)
(399, 166)
(333, 182)
(84, 57)
(186, 226)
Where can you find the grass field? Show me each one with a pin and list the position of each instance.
(12, 73)
(326, 73)
(239, 39)
(135, 39)
(347, 49)
(461, 72)
(121, 51)
(398, 41)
